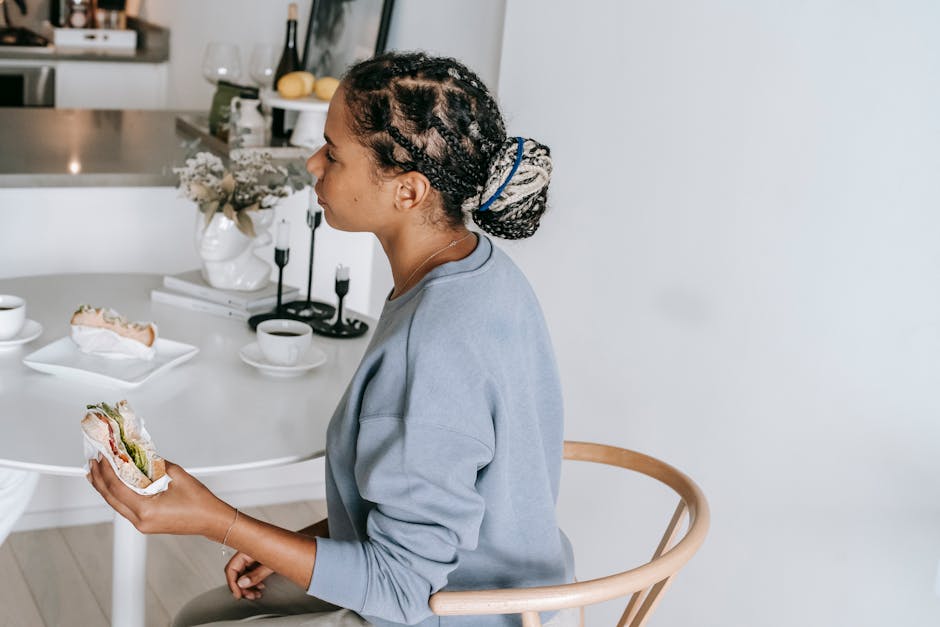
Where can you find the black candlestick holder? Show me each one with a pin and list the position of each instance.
(342, 328)
(281, 257)
(310, 309)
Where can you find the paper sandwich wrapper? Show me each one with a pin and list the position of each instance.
(107, 343)
(92, 449)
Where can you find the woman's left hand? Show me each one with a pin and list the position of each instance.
(187, 507)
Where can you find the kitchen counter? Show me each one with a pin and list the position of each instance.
(108, 148)
(90, 148)
(153, 46)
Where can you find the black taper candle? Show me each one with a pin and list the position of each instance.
(313, 221)
(281, 257)
(342, 288)
(309, 309)
(340, 327)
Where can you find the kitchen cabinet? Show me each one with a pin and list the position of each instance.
(110, 85)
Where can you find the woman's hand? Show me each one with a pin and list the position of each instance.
(187, 507)
(245, 576)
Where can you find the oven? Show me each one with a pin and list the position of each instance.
(26, 85)
(26, 78)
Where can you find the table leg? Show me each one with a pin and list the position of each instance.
(129, 572)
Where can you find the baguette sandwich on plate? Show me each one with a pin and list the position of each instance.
(119, 435)
(107, 333)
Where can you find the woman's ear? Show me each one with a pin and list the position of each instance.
(412, 191)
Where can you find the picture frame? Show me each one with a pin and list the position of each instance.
(341, 33)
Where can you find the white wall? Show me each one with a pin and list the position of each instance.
(740, 272)
(470, 31)
(194, 24)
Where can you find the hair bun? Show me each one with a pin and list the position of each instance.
(514, 197)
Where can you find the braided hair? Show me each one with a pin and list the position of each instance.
(432, 115)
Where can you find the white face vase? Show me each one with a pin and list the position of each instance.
(228, 261)
(222, 241)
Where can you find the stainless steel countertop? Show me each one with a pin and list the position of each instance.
(89, 148)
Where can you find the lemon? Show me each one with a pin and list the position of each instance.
(296, 84)
(308, 79)
(325, 87)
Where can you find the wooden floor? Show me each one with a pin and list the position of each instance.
(62, 577)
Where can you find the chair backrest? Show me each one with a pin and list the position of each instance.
(644, 583)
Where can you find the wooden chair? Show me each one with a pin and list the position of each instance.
(645, 583)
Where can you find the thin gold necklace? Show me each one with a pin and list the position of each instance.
(452, 243)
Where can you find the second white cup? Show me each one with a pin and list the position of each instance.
(12, 315)
(283, 342)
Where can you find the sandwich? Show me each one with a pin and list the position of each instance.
(96, 317)
(118, 432)
(106, 333)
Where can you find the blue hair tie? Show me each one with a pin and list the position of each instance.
(515, 166)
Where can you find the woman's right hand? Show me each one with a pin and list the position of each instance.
(245, 576)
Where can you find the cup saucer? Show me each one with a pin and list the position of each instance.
(30, 331)
(251, 354)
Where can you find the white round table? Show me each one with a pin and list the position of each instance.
(211, 414)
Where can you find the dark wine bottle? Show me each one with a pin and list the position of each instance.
(290, 62)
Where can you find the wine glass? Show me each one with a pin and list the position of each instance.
(221, 61)
(263, 65)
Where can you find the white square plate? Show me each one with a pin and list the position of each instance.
(63, 358)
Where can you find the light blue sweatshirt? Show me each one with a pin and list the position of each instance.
(443, 457)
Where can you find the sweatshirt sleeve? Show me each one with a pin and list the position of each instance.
(418, 468)
(421, 478)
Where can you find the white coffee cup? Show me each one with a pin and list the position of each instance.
(283, 342)
(12, 315)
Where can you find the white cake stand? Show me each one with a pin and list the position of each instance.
(308, 130)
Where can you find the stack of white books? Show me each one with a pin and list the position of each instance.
(190, 290)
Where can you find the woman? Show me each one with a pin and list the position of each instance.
(443, 456)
